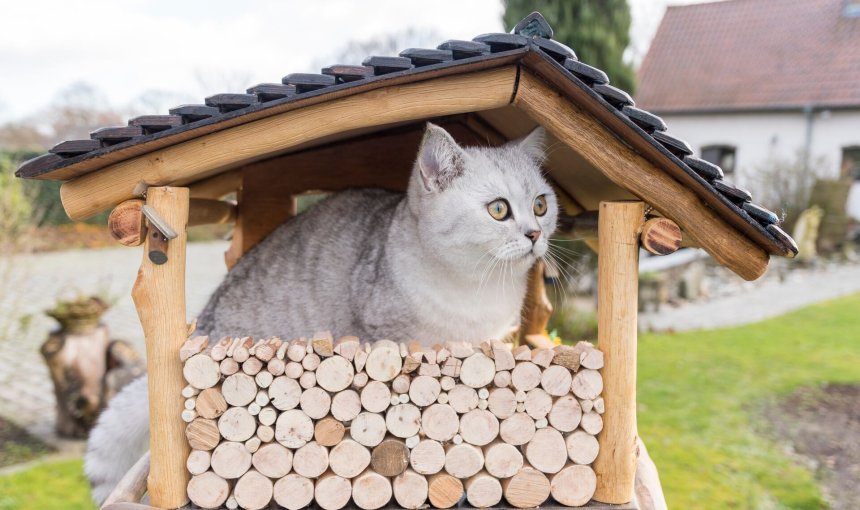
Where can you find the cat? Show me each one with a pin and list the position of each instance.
(447, 260)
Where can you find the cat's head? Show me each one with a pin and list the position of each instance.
(483, 203)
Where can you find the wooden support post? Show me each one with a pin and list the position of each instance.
(159, 296)
(617, 288)
(536, 309)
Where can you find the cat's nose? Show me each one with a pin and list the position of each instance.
(534, 235)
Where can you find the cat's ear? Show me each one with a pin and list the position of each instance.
(440, 159)
(532, 144)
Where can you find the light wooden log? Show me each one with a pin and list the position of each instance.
(410, 364)
(230, 460)
(479, 427)
(253, 491)
(574, 485)
(528, 488)
(410, 490)
(328, 431)
(208, 490)
(239, 389)
(522, 353)
(349, 458)
(266, 433)
(371, 490)
(273, 460)
(430, 369)
(228, 366)
(587, 405)
(345, 405)
(368, 429)
(592, 423)
(347, 346)
(384, 362)
(451, 367)
(401, 383)
(447, 383)
(502, 379)
(188, 415)
(264, 379)
(517, 430)
(660, 236)
(440, 422)
(210, 403)
(542, 357)
(252, 366)
(587, 384)
(360, 380)
(201, 371)
(241, 352)
(375, 396)
(556, 380)
(237, 424)
(276, 366)
(323, 344)
(390, 457)
(582, 447)
(502, 403)
(198, 462)
(284, 393)
(403, 420)
(335, 373)
(189, 391)
(293, 429)
(192, 346)
(567, 357)
(297, 350)
(308, 380)
(463, 398)
(360, 360)
(202, 434)
(546, 451)
(502, 460)
(483, 490)
(126, 223)
(332, 492)
(444, 490)
(315, 402)
(525, 376)
(592, 358)
(294, 492)
(565, 414)
(427, 457)
(293, 370)
(424, 390)
(311, 361)
(538, 403)
(477, 371)
(311, 460)
(599, 405)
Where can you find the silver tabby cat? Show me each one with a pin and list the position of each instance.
(446, 261)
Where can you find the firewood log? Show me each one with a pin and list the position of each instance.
(522, 353)
(427, 457)
(297, 350)
(567, 357)
(574, 485)
(483, 393)
(202, 434)
(517, 430)
(210, 403)
(253, 491)
(192, 346)
(403, 420)
(587, 384)
(503, 358)
(451, 367)
(360, 380)
(591, 423)
(483, 490)
(401, 383)
(582, 447)
(254, 409)
(586, 405)
(410, 490)
(390, 457)
(525, 376)
(328, 431)
(598, 405)
(349, 458)
(232, 348)
(323, 344)
(273, 460)
(440, 422)
(371, 490)
(463, 460)
(266, 433)
(240, 352)
(556, 380)
(335, 374)
(502, 403)
(311, 361)
(479, 427)
(565, 414)
(375, 396)
(444, 490)
(293, 428)
(442, 353)
(526, 489)
(294, 370)
(276, 366)
(447, 383)
(591, 358)
(239, 389)
(208, 490)
(429, 370)
(542, 357)
(384, 362)
(538, 403)
(284, 393)
(308, 380)
(502, 379)
(360, 359)
(477, 371)
(237, 424)
(410, 364)
(368, 429)
(189, 391)
(315, 402)
(311, 460)
(230, 460)
(198, 462)
(264, 379)
(460, 349)
(228, 366)
(546, 452)
(332, 492)
(463, 398)
(219, 350)
(501, 459)
(262, 399)
(347, 346)
(424, 390)
(294, 492)
(345, 405)
(201, 371)
(252, 366)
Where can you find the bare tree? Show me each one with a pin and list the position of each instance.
(388, 44)
(784, 184)
(79, 109)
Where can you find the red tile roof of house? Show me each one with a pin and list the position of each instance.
(753, 54)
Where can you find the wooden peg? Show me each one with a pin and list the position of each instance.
(660, 236)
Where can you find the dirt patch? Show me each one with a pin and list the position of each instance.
(17, 446)
(822, 426)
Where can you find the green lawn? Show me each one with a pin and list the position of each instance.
(53, 486)
(700, 394)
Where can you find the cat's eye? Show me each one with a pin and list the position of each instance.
(499, 209)
(540, 205)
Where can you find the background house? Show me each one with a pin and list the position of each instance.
(767, 89)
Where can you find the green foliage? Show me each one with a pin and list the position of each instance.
(699, 399)
(597, 30)
(572, 324)
(47, 487)
(15, 207)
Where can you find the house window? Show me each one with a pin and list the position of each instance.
(851, 162)
(720, 155)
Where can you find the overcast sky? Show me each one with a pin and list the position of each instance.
(191, 48)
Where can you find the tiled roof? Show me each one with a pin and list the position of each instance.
(753, 54)
(530, 37)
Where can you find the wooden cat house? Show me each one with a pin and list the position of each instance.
(623, 181)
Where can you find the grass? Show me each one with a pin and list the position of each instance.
(700, 394)
(17, 446)
(56, 485)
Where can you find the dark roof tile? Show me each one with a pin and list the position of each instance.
(425, 57)
(646, 120)
(586, 73)
(554, 49)
(194, 112)
(348, 73)
(705, 169)
(534, 25)
(156, 123)
(675, 145)
(465, 49)
(761, 214)
(271, 91)
(306, 82)
(114, 135)
(386, 65)
(732, 192)
(229, 102)
(615, 96)
(75, 147)
(502, 41)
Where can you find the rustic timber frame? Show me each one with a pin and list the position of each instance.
(327, 133)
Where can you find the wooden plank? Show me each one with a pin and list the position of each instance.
(159, 296)
(537, 308)
(215, 152)
(618, 229)
(630, 170)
